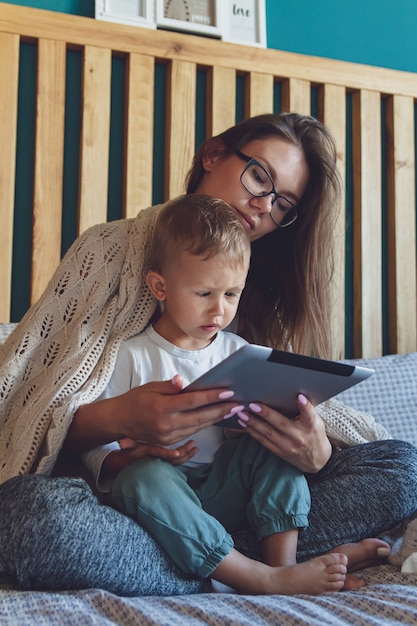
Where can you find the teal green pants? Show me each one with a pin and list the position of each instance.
(192, 514)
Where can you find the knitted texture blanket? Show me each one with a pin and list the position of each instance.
(62, 353)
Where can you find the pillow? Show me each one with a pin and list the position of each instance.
(390, 395)
(5, 330)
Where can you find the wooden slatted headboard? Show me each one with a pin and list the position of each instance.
(205, 83)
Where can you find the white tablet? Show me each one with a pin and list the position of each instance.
(275, 378)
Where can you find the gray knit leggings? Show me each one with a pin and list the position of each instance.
(54, 534)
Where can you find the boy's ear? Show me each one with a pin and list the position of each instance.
(156, 284)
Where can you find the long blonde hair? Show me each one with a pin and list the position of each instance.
(286, 302)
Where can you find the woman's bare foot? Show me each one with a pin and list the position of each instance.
(360, 555)
(364, 553)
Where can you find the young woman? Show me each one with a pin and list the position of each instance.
(278, 172)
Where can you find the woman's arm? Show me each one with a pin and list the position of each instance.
(155, 413)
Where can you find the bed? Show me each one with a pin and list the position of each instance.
(90, 110)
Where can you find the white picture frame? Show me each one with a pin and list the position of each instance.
(132, 12)
(244, 22)
(202, 17)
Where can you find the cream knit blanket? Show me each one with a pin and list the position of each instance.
(62, 353)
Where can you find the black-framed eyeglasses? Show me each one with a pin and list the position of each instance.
(259, 184)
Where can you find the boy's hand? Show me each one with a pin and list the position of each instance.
(131, 450)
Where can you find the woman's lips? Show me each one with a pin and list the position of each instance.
(247, 221)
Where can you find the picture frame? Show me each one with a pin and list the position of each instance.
(244, 22)
(132, 12)
(202, 17)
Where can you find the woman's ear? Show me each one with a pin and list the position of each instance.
(156, 284)
(213, 151)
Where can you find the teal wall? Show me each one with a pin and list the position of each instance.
(76, 7)
(375, 32)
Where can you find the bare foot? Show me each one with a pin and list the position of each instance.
(322, 574)
(319, 575)
(360, 555)
(353, 582)
(364, 553)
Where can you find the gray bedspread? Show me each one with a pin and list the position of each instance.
(389, 598)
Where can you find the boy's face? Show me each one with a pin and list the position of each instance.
(200, 298)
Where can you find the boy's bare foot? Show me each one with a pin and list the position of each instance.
(364, 553)
(322, 574)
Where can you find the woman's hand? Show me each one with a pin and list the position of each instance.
(301, 441)
(156, 413)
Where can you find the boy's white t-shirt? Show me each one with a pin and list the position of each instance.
(149, 357)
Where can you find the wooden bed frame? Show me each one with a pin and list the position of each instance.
(206, 84)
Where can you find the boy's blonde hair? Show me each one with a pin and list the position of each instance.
(200, 225)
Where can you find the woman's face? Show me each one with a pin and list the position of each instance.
(286, 166)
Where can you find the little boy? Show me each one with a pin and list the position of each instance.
(198, 266)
